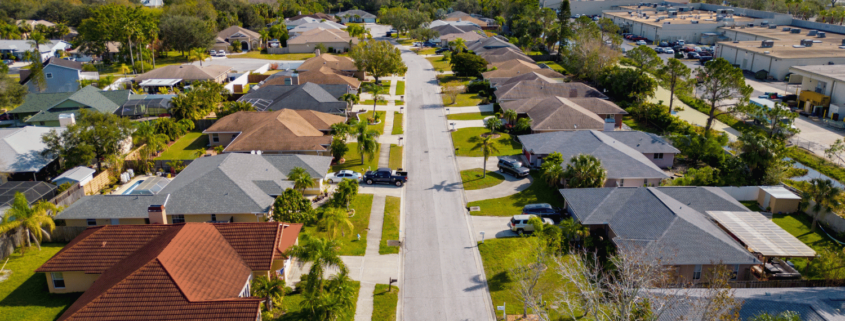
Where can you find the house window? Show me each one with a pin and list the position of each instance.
(735, 272)
(49, 75)
(658, 155)
(115, 221)
(92, 222)
(178, 219)
(41, 123)
(696, 275)
(214, 217)
(58, 280)
(215, 138)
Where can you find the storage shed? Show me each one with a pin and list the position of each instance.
(79, 174)
(778, 199)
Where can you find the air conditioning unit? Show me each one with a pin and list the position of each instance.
(767, 44)
(795, 31)
(773, 26)
(821, 34)
(807, 42)
(786, 29)
(812, 33)
(695, 22)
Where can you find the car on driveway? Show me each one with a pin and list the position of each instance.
(658, 50)
(441, 50)
(544, 210)
(641, 43)
(385, 176)
(339, 176)
(513, 167)
(520, 225)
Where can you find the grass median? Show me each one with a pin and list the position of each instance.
(390, 227)
(395, 156)
(384, 302)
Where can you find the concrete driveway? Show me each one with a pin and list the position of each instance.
(510, 186)
(492, 226)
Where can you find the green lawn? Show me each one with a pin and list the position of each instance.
(397, 123)
(353, 160)
(349, 244)
(406, 42)
(472, 179)
(555, 66)
(259, 55)
(24, 296)
(384, 84)
(378, 127)
(799, 226)
(496, 255)
(439, 64)
(429, 51)
(461, 137)
(452, 79)
(390, 228)
(292, 304)
(636, 125)
(470, 116)
(186, 147)
(395, 156)
(463, 100)
(384, 302)
(370, 103)
(539, 192)
(400, 88)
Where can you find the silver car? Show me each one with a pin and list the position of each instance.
(344, 174)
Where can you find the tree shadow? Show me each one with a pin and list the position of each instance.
(479, 284)
(446, 187)
(499, 282)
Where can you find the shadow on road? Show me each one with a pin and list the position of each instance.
(479, 284)
(447, 187)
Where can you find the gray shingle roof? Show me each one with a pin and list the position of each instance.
(642, 142)
(225, 184)
(620, 160)
(308, 96)
(649, 217)
(450, 29)
(557, 113)
(352, 13)
(525, 89)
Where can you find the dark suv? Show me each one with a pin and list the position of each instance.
(542, 210)
(513, 167)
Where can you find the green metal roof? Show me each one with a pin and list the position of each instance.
(90, 96)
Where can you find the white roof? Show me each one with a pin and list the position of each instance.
(20, 149)
(761, 235)
(780, 192)
(159, 82)
(314, 25)
(79, 173)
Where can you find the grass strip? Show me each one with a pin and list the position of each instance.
(390, 227)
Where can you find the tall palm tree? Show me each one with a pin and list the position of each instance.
(36, 39)
(301, 179)
(268, 288)
(322, 253)
(33, 219)
(367, 140)
(378, 92)
(336, 219)
(264, 35)
(458, 45)
(824, 194)
(350, 99)
(487, 146)
(124, 69)
(198, 54)
(509, 115)
(25, 28)
(585, 171)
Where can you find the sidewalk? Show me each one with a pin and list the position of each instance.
(691, 115)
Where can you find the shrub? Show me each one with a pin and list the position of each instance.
(89, 67)
(274, 66)
(475, 87)
(146, 66)
(65, 186)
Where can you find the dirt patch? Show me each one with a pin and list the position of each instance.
(488, 134)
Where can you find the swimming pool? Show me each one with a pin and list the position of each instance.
(132, 188)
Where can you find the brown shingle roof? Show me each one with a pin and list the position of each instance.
(281, 130)
(555, 113)
(226, 33)
(321, 35)
(338, 63)
(504, 54)
(185, 72)
(466, 36)
(517, 67)
(322, 76)
(525, 89)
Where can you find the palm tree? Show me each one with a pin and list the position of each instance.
(458, 45)
(336, 219)
(146, 133)
(198, 54)
(268, 288)
(492, 123)
(585, 171)
(264, 35)
(367, 140)
(301, 179)
(33, 219)
(824, 194)
(341, 297)
(523, 125)
(36, 39)
(322, 253)
(350, 99)
(553, 174)
(510, 116)
(124, 69)
(378, 92)
(487, 146)
(25, 28)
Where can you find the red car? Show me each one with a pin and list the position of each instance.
(640, 38)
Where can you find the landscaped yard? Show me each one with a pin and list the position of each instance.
(400, 88)
(186, 147)
(555, 66)
(428, 51)
(470, 116)
(439, 64)
(799, 226)
(259, 55)
(635, 125)
(455, 80)
(406, 42)
(463, 100)
(539, 192)
(370, 103)
(395, 156)
(349, 243)
(384, 302)
(353, 160)
(292, 304)
(384, 84)
(472, 179)
(378, 127)
(390, 227)
(24, 295)
(463, 144)
(397, 123)
(496, 254)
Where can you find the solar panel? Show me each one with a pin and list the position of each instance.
(762, 235)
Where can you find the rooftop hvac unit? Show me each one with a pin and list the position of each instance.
(773, 26)
(786, 29)
(768, 44)
(764, 23)
(767, 52)
(843, 42)
(750, 25)
(695, 22)
(681, 9)
(795, 31)
(667, 23)
(812, 32)
(807, 42)
(821, 34)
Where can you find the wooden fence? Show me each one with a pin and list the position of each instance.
(203, 124)
(257, 78)
(65, 234)
(72, 194)
(96, 184)
(135, 154)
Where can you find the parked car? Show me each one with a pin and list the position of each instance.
(513, 167)
(212, 52)
(638, 38)
(441, 50)
(542, 210)
(668, 51)
(385, 176)
(221, 53)
(693, 55)
(658, 50)
(344, 174)
(664, 44)
(519, 223)
(641, 43)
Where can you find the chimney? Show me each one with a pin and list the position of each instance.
(66, 120)
(157, 213)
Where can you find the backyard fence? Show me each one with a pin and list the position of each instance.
(277, 51)
(96, 184)
(135, 154)
(65, 234)
(203, 124)
(257, 78)
(72, 194)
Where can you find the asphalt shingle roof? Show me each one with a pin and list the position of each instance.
(643, 142)
(525, 89)
(352, 13)
(307, 96)
(90, 96)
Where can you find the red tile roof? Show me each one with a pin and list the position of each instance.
(287, 238)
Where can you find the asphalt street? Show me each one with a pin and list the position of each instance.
(443, 275)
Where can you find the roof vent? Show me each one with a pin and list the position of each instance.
(812, 32)
(807, 42)
(768, 44)
(821, 34)
(786, 29)
(695, 22)
(773, 26)
(795, 31)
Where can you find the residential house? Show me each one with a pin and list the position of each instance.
(78, 175)
(343, 65)
(517, 67)
(497, 82)
(285, 131)
(460, 16)
(81, 54)
(447, 27)
(466, 36)
(170, 271)
(490, 43)
(322, 76)
(47, 50)
(309, 96)
(499, 55)
(357, 16)
(302, 28)
(319, 16)
(525, 89)
(45, 109)
(625, 165)
(232, 187)
(293, 23)
(21, 154)
(61, 76)
(552, 114)
(334, 39)
(250, 40)
(72, 33)
(33, 191)
(174, 75)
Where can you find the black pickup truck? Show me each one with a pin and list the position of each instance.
(385, 176)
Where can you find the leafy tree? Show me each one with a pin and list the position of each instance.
(552, 169)
(338, 148)
(367, 140)
(36, 73)
(270, 289)
(12, 93)
(292, 207)
(674, 76)
(588, 54)
(825, 195)
(232, 107)
(345, 193)
(468, 65)
(97, 134)
(763, 156)
(145, 133)
(337, 302)
(644, 59)
(301, 179)
(378, 91)
(169, 127)
(204, 98)
(322, 253)
(720, 81)
(523, 125)
(777, 119)
(182, 32)
(573, 232)
(378, 58)
(458, 45)
(783, 316)
(68, 148)
(627, 84)
(585, 171)
(699, 147)
(350, 99)
(487, 146)
(705, 176)
(336, 219)
(32, 219)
